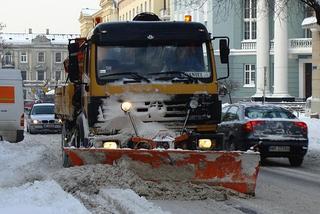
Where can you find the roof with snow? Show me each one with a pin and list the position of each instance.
(25, 38)
(309, 22)
(88, 11)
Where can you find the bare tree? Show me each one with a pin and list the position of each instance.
(223, 6)
(315, 5)
(227, 86)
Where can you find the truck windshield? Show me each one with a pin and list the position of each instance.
(151, 61)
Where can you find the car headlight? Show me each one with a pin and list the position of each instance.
(110, 145)
(35, 121)
(205, 143)
(126, 106)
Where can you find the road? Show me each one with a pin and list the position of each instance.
(280, 189)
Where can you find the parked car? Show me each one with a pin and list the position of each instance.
(41, 119)
(269, 129)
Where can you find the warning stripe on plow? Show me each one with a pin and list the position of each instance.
(234, 170)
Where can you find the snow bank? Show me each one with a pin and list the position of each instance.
(29, 160)
(39, 197)
(313, 132)
(92, 178)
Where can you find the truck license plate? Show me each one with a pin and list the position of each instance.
(279, 149)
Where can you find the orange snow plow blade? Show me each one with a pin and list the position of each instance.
(233, 170)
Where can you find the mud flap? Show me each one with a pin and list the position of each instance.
(234, 170)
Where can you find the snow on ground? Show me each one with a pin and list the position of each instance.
(39, 197)
(32, 180)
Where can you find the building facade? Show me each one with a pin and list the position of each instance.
(121, 10)
(108, 12)
(271, 54)
(39, 57)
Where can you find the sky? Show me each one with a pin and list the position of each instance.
(59, 16)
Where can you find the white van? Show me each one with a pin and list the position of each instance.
(11, 106)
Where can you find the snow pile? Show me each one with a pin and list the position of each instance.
(91, 178)
(39, 197)
(29, 160)
(313, 132)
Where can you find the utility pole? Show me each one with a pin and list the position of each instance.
(264, 84)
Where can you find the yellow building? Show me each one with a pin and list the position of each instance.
(128, 9)
(108, 12)
(123, 10)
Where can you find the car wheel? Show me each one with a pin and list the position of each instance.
(31, 132)
(295, 161)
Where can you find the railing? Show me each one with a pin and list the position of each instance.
(294, 44)
(248, 45)
(300, 43)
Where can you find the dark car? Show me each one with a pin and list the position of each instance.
(269, 129)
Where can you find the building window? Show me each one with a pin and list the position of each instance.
(58, 75)
(40, 75)
(58, 57)
(249, 75)
(23, 57)
(24, 75)
(250, 19)
(41, 57)
(7, 59)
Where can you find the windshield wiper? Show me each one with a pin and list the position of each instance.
(133, 74)
(178, 74)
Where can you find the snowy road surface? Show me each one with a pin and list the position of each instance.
(33, 181)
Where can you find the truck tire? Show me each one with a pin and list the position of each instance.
(65, 157)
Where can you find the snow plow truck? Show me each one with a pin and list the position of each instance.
(146, 91)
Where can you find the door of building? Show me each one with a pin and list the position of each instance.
(308, 79)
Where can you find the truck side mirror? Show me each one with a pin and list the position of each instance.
(73, 64)
(224, 51)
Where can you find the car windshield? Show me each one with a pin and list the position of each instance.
(43, 110)
(268, 112)
(117, 62)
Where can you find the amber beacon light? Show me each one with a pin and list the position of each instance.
(187, 18)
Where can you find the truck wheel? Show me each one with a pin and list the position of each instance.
(230, 145)
(64, 143)
(295, 161)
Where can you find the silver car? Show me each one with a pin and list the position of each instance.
(41, 119)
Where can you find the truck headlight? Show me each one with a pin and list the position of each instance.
(126, 106)
(205, 143)
(110, 145)
(35, 121)
(193, 103)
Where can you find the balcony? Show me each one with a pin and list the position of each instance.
(296, 45)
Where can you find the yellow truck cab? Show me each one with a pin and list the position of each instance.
(130, 75)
